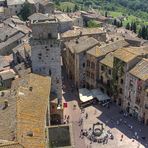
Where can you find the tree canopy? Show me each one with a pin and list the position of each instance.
(25, 12)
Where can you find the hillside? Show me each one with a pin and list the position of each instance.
(138, 8)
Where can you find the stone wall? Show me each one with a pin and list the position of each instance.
(45, 30)
(46, 53)
(45, 56)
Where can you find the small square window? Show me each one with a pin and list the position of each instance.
(121, 81)
(120, 90)
(49, 35)
(102, 68)
(83, 65)
(117, 78)
(109, 71)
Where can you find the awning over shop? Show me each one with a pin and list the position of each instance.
(97, 93)
(88, 95)
(85, 95)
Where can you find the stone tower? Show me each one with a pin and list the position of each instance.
(46, 52)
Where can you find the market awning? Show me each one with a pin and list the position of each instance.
(85, 95)
(97, 93)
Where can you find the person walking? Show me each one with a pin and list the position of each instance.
(68, 119)
(65, 117)
(121, 138)
(81, 132)
(86, 116)
(80, 121)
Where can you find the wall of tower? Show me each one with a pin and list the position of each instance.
(46, 53)
(45, 56)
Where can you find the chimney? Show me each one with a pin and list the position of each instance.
(77, 42)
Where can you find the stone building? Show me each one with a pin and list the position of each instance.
(96, 33)
(106, 70)
(24, 112)
(77, 21)
(15, 6)
(45, 53)
(136, 91)
(76, 18)
(124, 60)
(22, 54)
(145, 109)
(16, 32)
(88, 16)
(93, 57)
(45, 6)
(6, 78)
(65, 22)
(5, 62)
(74, 58)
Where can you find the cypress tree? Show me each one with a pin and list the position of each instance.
(143, 32)
(115, 22)
(121, 24)
(106, 14)
(128, 26)
(134, 27)
(140, 33)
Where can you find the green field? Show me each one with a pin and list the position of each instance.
(128, 18)
(64, 5)
(114, 14)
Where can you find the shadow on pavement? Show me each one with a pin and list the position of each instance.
(129, 126)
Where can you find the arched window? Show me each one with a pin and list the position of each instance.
(88, 63)
(92, 65)
(101, 79)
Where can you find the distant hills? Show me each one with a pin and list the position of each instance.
(138, 8)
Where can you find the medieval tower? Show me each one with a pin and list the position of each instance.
(46, 52)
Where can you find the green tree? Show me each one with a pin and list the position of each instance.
(121, 23)
(106, 14)
(127, 26)
(115, 22)
(92, 24)
(68, 9)
(140, 33)
(143, 32)
(25, 12)
(76, 7)
(118, 24)
(134, 27)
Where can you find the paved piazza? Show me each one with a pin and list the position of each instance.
(109, 118)
(112, 120)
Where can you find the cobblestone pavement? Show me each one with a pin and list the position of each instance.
(110, 117)
(70, 96)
